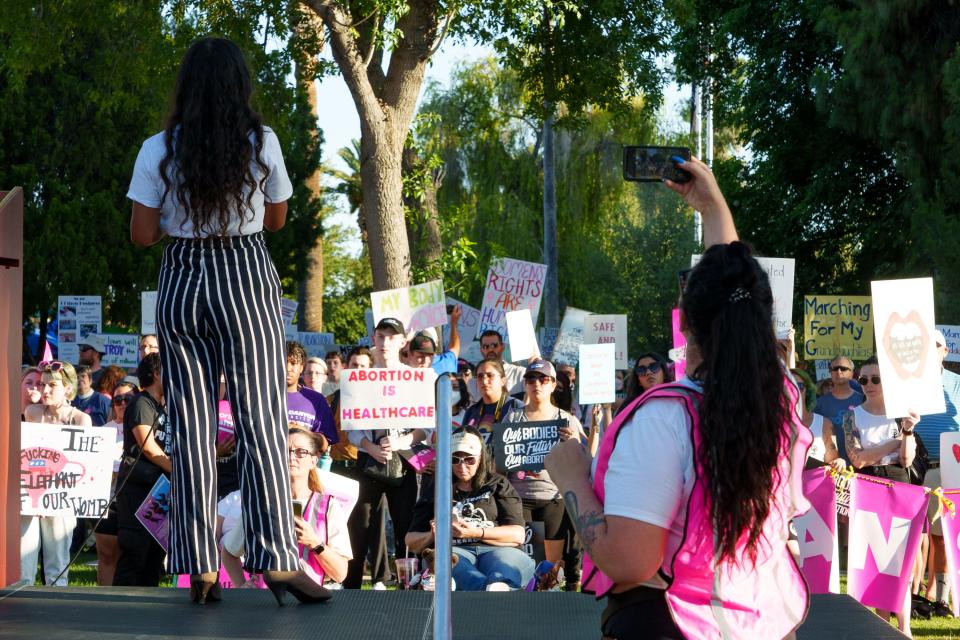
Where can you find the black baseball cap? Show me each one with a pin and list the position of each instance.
(391, 323)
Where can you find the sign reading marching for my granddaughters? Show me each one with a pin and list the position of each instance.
(511, 285)
(837, 326)
(388, 399)
(65, 470)
(417, 307)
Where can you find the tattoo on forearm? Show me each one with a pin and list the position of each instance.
(590, 526)
(851, 436)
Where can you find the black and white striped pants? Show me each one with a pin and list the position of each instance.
(218, 309)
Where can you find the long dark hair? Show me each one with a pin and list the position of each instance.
(208, 160)
(728, 306)
(632, 389)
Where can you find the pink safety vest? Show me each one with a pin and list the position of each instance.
(766, 600)
(316, 514)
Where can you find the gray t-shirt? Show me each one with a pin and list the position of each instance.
(530, 485)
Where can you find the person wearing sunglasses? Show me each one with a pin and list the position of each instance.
(53, 534)
(487, 526)
(108, 547)
(880, 446)
(650, 370)
(541, 498)
(843, 397)
(495, 402)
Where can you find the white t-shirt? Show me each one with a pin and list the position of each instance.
(146, 187)
(651, 472)
(817, 450)
(876, 430)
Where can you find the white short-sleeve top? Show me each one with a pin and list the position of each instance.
(146, 187)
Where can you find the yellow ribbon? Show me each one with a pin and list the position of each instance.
(945, 502)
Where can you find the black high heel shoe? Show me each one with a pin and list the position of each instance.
(298, 583)
(204, 587)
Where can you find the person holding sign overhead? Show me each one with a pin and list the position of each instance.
(541, 497)
(213, 180)
(685, 513)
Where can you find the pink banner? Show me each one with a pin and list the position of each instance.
(817, 534)
(679, 352)
(885, 526)
(951, 539)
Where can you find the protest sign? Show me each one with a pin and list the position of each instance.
(148, 312)
(780, 272)
(837, 326)
(548, 338)
(596, 383)
(951, 539)
(387, 399)
(417, 307)
(316, 344)
(952, 333)
(566, 350)
(679, 352)
(950, 460)
(523, 446)
(77, 317)
(822, 368)
(533, 542)
(123, 350)
(65, 470)
(909, 364)
(467, 325)
(817, 534)
(601, 329)
(523, 340)
(154, 512)
(511, 285)
(288, 309)
(886, 519)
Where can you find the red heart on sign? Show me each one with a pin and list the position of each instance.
(956, 452)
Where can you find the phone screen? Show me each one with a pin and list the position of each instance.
(653, 164)
(297, 509)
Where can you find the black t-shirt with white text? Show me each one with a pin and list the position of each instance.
(495, 504)
(143, 410)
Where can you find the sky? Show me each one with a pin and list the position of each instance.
(340, 124)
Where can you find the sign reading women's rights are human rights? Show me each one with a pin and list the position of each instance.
(388, 399)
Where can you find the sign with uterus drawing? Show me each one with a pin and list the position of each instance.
(909, 364)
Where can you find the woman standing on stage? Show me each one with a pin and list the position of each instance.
(685, 513)
(213, 180)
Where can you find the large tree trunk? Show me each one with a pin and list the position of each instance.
(422, 215)
(385, 103)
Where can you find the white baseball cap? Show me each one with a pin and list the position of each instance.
(466, 442)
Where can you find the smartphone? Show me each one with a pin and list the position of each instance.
(653, 164)
(449, 309)
(297, 509)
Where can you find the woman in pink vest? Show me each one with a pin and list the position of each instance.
(685, 514)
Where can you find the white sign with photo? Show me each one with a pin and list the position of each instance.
(77, 317)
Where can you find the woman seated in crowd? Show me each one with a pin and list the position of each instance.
(495, 402)
(323, 542)
(541, 498)
(487, 526)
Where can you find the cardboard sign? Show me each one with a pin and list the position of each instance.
(511, 285)
(65, 470)
(523, 340)
(77, 317)
(317, 344)
(679, 352)
(417, 307)
(909, 364)
(837, 326)
(885, 527)
(523, 446)
(123, 350)
(148, 312)
(154, 512)
(288, 309)
(596, 383)
(467, 325)
(780, 272)
(567, 348)
(548, 338)
(950, 460)
(822, 369)
(387, 399)
(817, 534)
(952, 333)
(603, 329)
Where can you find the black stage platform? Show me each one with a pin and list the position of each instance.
(91, 613)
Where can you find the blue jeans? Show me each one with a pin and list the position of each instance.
(482, 564)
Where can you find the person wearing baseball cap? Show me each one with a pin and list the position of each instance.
(92, 349)
(422, 349)
(488, 525)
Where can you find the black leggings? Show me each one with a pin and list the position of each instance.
(550, 513)
(644, 618)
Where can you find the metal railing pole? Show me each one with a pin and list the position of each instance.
(443, 501)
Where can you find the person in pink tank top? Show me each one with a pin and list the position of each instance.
(685, 513)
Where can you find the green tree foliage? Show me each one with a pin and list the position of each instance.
(621, 244)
